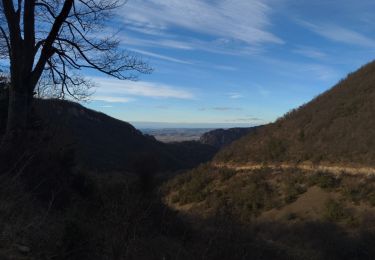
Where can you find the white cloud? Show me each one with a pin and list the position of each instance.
(310, 52)
(111, 99)
(118, 89)
(263, 91)
(162, 57)
(245, 21)
(247, 120)
(304, 70)
(340, 34)
(218, 46)
(224, 67)
(222, 109)
(321, 72)
(235, 95)
(160, 42)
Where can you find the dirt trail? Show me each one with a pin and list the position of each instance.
(307, 167)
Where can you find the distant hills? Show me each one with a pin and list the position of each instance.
(217, 138)
(336, 127)
(222, 137)
(170, 135)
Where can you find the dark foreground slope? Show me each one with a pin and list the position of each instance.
(100, 142)
(111, 216)
(337, 127)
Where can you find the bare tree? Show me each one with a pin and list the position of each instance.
(50, 40)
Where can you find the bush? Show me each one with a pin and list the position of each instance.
(194, 185)
(294, 185)
(292, 191)
(276, 149)
(371, 198)
(249, 197)
(354, 192)
(334, 211)
(226, 174)
(324, 180)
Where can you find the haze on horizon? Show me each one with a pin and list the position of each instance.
(234, 63)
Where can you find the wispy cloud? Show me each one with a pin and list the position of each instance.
(117, 89)
(249, 120)
(162, 107)
(309, 52)
(220, 109)
(224, 67)
(321, 72)
(111, 99)
(235, 95)
(217, 46)
(339, 34)
(246, 21)
(298, 69)
(263, 91)
(160, 42)
(162, 57)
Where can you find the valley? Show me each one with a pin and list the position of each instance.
(187, 130)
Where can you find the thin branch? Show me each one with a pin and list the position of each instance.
(5, 37)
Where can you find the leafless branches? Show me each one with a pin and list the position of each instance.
(53, 39)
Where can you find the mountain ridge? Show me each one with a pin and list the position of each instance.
(222, 137)
(334, 128)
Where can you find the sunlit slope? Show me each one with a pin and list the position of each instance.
(337, 127)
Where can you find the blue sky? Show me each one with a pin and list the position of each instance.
(234, 62)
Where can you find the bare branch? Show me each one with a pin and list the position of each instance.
(57, 39)
(6, 39)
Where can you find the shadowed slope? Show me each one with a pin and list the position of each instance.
(102, 143)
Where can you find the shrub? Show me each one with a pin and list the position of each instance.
(292, 191)
(294, 185)
(324, 180)
(226, 174)
(195, 187)
(249, 197)
(354, 192)
(276, 149)
(371, 198)
(334, 211)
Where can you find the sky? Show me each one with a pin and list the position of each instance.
(233, 62)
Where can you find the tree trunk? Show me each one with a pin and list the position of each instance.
(18, 110)
(3, 110)
(14, 140)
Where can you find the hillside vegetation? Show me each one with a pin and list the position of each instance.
(336, 127)
(300, 215)
(72, 214)
(270, 183)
